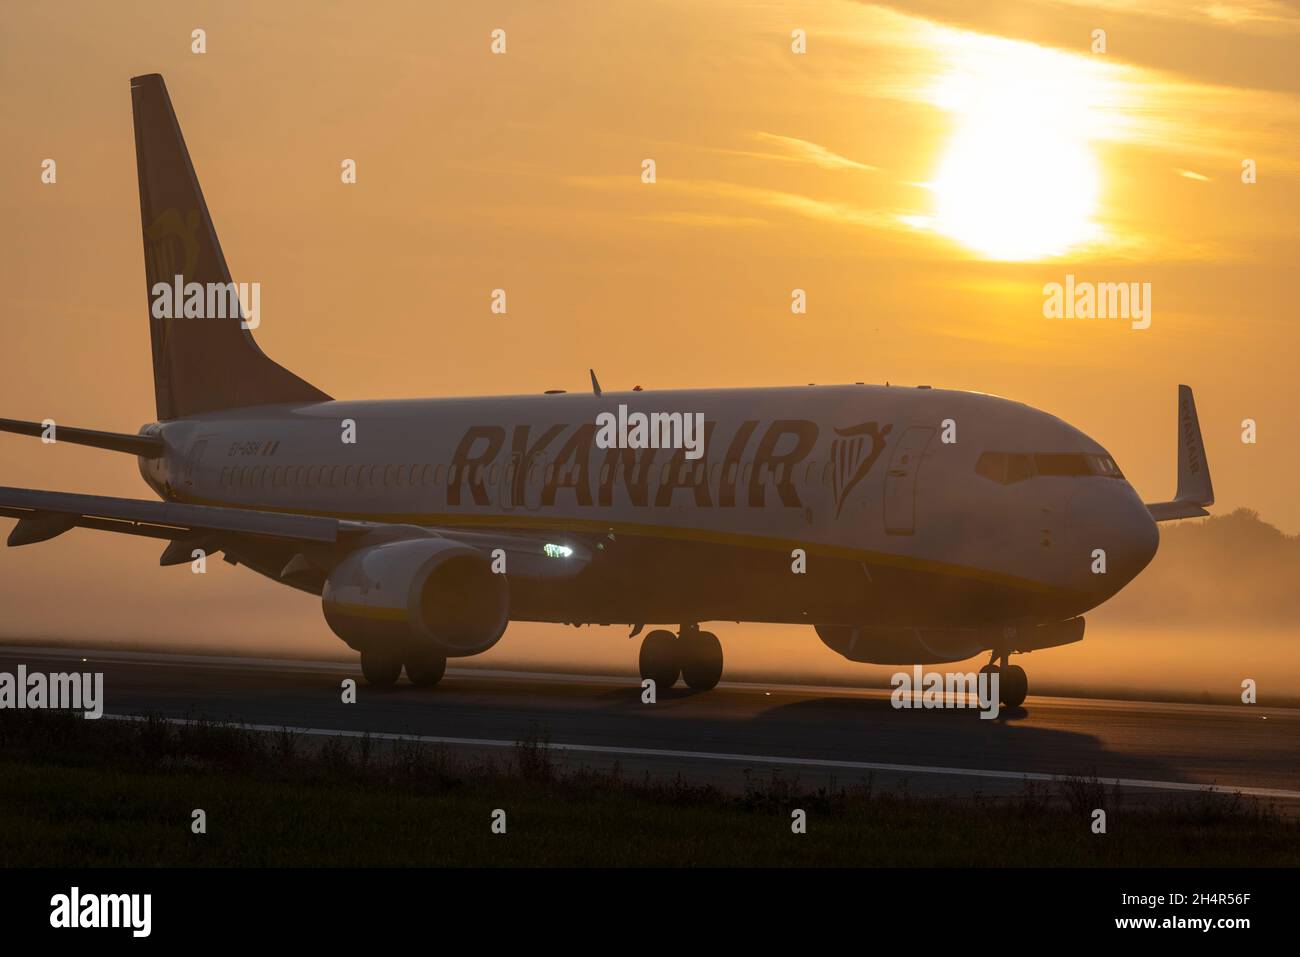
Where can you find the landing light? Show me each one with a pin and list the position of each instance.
(556, 551)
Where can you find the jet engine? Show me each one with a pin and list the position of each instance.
(429, 591)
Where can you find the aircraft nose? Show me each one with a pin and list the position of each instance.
(1140, 535)
(1112, 518)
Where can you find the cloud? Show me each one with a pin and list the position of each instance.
(807, 207)
(805, 152)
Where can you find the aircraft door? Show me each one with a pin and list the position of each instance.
(900, 481)
(191, 462)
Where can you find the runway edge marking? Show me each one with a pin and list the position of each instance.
(732, 758)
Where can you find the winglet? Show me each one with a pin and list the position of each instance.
(1195, 490)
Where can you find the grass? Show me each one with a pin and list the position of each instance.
(107, 793)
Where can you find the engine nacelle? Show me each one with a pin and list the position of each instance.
(430, 591)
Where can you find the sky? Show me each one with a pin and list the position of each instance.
(920, 170)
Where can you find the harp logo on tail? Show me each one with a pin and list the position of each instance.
(171, 246)
(853, 453)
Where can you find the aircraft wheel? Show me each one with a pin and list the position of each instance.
(381, 666)
(1014, 686)
(661, 658)
(425, 667)
(701, 660)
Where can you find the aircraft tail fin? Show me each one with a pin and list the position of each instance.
(201, 363)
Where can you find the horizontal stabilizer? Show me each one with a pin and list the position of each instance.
(149, 446)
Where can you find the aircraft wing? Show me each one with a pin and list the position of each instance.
(1195, 490)
(44, 515)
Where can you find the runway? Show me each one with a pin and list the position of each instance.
(819, 735)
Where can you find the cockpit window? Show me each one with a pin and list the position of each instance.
(1006, 468)
(1104, 465)
(993, 465)
(1019, 467)
(1061, 463)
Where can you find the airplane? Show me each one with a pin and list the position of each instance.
(906, 525)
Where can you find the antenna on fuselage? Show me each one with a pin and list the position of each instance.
(595, 384)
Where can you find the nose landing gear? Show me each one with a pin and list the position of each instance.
(694, 655)
(1013, 683)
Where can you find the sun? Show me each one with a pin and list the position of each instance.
(1019, 178)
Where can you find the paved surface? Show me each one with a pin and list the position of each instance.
(818, 734)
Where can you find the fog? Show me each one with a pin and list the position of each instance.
(1206, 615)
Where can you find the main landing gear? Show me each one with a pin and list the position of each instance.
(1013, 683)
(383, 666)
(693, 655)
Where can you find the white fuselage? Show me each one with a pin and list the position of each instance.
(876, 477)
